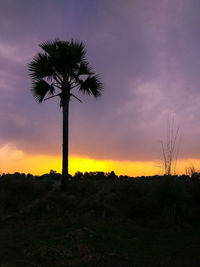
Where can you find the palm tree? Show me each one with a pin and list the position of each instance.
(58, 71)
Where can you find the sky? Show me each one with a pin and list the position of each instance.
(147, 55)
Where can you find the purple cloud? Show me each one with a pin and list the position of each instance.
(147, 53)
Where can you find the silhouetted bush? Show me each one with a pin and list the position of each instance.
(112, 175)
(78, 175)
(94, 176)
(172, 202)
(18, 190)
(130, 199)
(168, 200)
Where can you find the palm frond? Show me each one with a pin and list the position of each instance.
(75, 54)
(91, 86)
(41, 67)
(40, 89)
(77, 47)
(66, 57)
(63, 62)
(85, 69)
(50, 47)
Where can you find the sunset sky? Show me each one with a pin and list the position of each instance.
(148, 56)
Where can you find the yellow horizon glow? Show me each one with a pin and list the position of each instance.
(14, 160)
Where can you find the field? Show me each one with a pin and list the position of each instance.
(99, 221)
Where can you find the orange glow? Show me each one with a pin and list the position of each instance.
(14, 160)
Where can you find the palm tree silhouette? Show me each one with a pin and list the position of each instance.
(61, 68)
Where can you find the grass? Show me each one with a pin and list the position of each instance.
(101, 223)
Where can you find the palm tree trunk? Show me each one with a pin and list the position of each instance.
(65, 173)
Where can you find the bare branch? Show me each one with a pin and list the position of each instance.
(75, 85)
(171, 147)
(51, 97)
(58, 79)
(76, 98)
(57, 85)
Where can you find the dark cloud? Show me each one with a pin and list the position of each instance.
(147, 53)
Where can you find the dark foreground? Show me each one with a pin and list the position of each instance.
(100, 223)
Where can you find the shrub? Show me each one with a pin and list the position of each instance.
(78, 175)
(16, 192)
(171, 201)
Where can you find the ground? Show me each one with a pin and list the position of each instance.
(82, 227)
